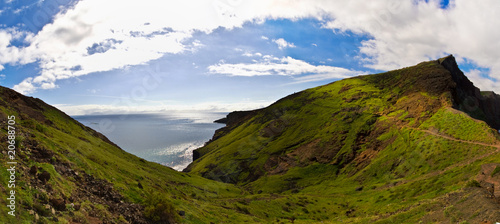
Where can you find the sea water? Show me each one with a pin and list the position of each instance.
(166, 138)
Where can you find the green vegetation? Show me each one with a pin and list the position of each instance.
(159, 209)
(385, 141)
(80, 161)
(460, 126)
(385, 148)
(495, 171)
(473, 183)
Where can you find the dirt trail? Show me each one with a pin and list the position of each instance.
(488, 178)
(463, 163)
(455, 139)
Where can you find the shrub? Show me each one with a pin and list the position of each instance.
(473, 183)
(305, 210)
(495, 171)
(159, 209)
(243, 209)
(41, 210)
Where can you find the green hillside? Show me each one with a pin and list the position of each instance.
(414, 145)
(61, 162)
(384, 147)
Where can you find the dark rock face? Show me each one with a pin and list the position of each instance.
(491, 107)
(196, 155)
(44, 177)
(235, 117)
(101, 191)
(468, 98)
(182, 213)
(58, 204)
(33, 170)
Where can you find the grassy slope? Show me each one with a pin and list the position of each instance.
(86, 153)
(341, 110)
(361, 150)
(392, 136)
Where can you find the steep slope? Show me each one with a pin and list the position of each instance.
(334, 123)
(397, 147)
(382, 147)
(68, 173)
(468, 98)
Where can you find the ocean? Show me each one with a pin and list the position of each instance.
(165, 138)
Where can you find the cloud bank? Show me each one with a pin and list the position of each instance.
(94, 109)
(285, 66)
(95, 36)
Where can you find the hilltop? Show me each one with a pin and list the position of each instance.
(336, 123)
(418, 144)
(394, 140)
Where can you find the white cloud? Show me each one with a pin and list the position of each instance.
(264, 37)
(282, 43)
(88, 109)
(8, 53)
(339, 74)
(407, 32)
(402, 32)
(48, 85)
(19, 10)
(131, 33)
(480, 81)
(25, 86)
(285, 66)
(1, 67)
(248, 54)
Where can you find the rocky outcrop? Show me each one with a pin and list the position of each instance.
(490, 104)
(468, 98)
(89, 188)
(236, 117)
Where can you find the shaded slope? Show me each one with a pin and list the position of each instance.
(67, 172)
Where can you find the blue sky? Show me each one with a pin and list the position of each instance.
(114, 56)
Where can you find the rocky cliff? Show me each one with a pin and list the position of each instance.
(468, 98)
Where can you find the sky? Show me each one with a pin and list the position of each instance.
(122, 56)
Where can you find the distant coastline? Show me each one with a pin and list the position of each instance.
(165, 138)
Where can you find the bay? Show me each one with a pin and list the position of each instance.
(167, 138)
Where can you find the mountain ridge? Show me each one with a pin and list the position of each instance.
(382, 132)
(446, 82)
(413, 145)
